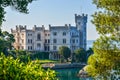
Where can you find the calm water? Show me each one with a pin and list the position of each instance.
(71, 74)
(68, 74)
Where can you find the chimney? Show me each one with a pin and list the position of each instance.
(66, 25)
(49, 25)
(35, 26)
(75, 15)
(25, 26)
(69, 24)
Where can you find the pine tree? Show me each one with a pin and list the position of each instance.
(105, 62)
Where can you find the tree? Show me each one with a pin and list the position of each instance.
(105, 62)
(80, 55)
(9, 38)
(19, 5)
(89, 52)
(6, 41)
(64, 52)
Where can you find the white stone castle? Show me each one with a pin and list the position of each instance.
(40, 39)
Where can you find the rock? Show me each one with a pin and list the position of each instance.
(82, 73)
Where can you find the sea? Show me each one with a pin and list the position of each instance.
(90, 43)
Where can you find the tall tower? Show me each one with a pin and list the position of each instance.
(81, 21)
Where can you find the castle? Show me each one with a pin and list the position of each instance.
(40, 39)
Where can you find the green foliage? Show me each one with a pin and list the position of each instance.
(105, 62)
(6, 40)
(2, 44)
(64, 52)
(17, 53)
(48, 61)
(89, 52)
(107, 21)
(40, 55)
(24, 56)
(80, 55)
(11, 69)
(18, 5)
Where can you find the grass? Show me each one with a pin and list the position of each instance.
(48, 61)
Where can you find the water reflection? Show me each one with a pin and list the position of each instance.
(69, 74)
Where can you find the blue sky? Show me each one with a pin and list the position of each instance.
(54, 12)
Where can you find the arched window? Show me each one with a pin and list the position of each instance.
(64, 33)
(38, 36)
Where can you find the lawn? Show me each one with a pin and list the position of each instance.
(48, 61)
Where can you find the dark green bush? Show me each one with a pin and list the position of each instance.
(39, 55)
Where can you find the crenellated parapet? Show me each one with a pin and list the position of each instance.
(19, 28)
(38, 28)
(81, 17)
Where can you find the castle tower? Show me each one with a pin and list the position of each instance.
(80, 21)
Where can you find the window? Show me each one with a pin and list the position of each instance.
(28, 40)
(18, 47)
(48, 41)
(78, 23)
(18, 34)
(45, 48)
(64, 41)
(54, 47)
(72, 33)
(29, 34)
(22, 35)
(76, 40)
(38, 46)
(31, 47)
(38, 37)
(22, 41)
(64, 33)
(45, 40)
(45, 34)
(28, 48)
(54, 33)
(73, 41)
(54, 40)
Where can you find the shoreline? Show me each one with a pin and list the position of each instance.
(62, 65)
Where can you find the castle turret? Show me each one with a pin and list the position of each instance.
(80, 21)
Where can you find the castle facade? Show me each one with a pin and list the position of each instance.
(40, 39)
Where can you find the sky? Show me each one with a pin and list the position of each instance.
(54, 12)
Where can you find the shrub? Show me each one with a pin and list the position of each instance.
(13, 69)
(40, 55)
